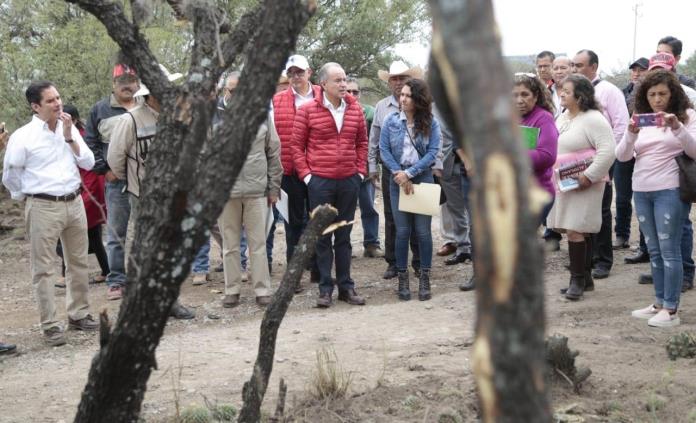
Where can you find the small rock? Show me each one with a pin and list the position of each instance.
(428, 306)
(281, 360)
(248, 360)
(295, 332)
(415, 368)
(212, 316)
(190, 391)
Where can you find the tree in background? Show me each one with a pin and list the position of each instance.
(60, 42)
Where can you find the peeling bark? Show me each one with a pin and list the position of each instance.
(188, 181)
(471, 85)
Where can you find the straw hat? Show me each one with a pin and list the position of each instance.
(400, 68)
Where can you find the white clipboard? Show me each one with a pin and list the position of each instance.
(282, 206)
(424, 200)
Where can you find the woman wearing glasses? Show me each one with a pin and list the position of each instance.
(408, 144)
(584, 133)
(660, 210)
(534, 106)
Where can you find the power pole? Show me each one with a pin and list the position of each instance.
(635, 28)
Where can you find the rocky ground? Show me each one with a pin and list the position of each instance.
(407, 361)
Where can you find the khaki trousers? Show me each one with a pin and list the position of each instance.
(251, 214)
(46, 222)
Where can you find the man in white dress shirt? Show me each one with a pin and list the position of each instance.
(41, 166)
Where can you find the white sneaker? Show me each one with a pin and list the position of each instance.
(645, 313)
(663, 319)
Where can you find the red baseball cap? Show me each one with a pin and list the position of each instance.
(121, 69)
(662, 60)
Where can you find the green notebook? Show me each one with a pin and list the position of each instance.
(530, 135)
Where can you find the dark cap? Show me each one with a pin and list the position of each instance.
(643, 63)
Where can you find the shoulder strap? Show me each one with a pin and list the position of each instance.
(420, 156)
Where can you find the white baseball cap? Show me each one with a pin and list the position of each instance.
(143, 91)
(297, 61)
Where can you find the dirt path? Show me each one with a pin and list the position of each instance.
(409, 360)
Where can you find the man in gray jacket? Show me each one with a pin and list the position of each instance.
(252, 197)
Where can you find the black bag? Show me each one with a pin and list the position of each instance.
(687, 178)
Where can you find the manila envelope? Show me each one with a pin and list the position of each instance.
(424, 200)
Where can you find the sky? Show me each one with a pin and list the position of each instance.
(605, 26)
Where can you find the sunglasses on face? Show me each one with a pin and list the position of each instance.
(354, 92)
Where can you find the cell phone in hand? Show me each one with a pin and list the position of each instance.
(647, 119)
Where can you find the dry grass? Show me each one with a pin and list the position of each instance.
(329, 380)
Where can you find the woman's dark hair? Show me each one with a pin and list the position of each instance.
(538, 89)
(678, 101)
(72, 111)
(583, 91)
(422, 106)
(35, 91)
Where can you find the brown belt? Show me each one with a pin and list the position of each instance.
(66, 197)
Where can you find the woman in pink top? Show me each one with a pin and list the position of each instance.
(533, 103)
(660, 211)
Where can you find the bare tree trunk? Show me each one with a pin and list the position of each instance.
(189, 176)
(472, 89)
(255, 389)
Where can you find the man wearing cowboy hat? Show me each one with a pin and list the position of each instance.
(397, 75)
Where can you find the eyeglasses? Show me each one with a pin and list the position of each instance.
(299, 73)
(354, 92)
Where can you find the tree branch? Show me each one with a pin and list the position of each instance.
(130, 40)
(255, 389)
(508, 355)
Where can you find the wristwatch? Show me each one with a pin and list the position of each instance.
(69, 141)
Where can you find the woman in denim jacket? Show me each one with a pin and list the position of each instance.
(408, 145)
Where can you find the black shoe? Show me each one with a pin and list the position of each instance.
(404, 290)
(458, 258)
(600, 273)
(639, 257)
(469, 285)
(576, 288)
(180, 312)
(645, 279)
(619, 243)
(390, 273)
(424, 286)
(7, 349)
(687, 286)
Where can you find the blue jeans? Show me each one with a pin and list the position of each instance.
(201, 263)
(623, 172)
(661, 218)
(118, 214)
(406, 222)
(368, 214)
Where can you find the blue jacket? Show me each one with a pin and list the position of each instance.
(391, 145)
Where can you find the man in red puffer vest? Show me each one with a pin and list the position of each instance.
(285, 105)
(329, 152)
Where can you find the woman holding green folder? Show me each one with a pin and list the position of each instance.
(533, 102)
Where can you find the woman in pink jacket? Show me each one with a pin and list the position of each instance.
(659, 208)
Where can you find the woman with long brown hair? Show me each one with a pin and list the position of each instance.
(408, 145)
(661, 212)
